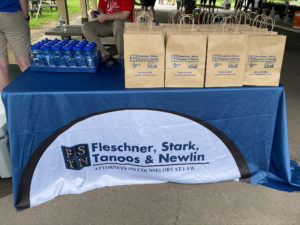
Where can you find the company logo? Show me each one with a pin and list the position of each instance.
(77, 156)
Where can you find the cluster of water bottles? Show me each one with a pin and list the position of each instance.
(58, 53)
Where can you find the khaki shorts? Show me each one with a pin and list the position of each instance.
(14, 29)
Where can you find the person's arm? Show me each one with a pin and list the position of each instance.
(24, 7)
(114, 16)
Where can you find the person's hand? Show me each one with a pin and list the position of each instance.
(101, 18)
(92, 14)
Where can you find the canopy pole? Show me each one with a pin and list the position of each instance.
(62, 9)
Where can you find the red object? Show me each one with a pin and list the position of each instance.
(296, 23)
(113, 6)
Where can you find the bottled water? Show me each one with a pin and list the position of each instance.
(59, 61)
(48, 55)
(93, 44)
(68, 56)
(63, 25)
(35, 53)
(78, 55)
(90, 56)
(63, 54)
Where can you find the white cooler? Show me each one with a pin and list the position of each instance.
(5, 165)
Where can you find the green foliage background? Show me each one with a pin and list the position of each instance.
(73, 7)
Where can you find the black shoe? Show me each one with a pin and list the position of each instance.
(110, 61)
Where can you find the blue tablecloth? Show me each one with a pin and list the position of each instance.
(39, 104)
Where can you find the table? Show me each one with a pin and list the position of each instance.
(71, 30)
(70, 133)
(37, 5)
(208, 7)
(75, 30)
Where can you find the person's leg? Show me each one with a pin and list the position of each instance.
(252, 4)
(94, 30)
(247, 6)
(143, 19)
(210, 1)
(238, 5)
(214, 5)
(118, 31)
(260, 2)
(178, 5)
(17, 33)
(152, 12)
(4, 75)
(142, 4)
(23, 62)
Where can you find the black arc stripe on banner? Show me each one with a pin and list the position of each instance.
(23, 197)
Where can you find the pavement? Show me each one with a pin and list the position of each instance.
(224, 203)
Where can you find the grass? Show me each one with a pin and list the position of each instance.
(47, 16)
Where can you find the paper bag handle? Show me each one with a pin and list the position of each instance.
(254, 23)
(189, 17)
(264, 23)
(148, 20)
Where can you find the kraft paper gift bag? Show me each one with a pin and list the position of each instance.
(226, 60)
(144, 53)
(185, 59)
(185, 55)
(265, 55)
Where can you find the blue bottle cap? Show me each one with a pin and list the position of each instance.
(45, 47)
(55, 47)
(34, 47)
(92, 43)
(66, 48)
(77, 48)
(88, 49)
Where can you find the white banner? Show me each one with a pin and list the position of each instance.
(130, 147)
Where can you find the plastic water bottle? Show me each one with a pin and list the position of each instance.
(94, 45)
(59, 61)
(63, 26)
(79, 59)
(48, 55)
(65, 41)
(68, 56)
(90, 57)
(35, 53)
(40, 54)
(74, 42)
